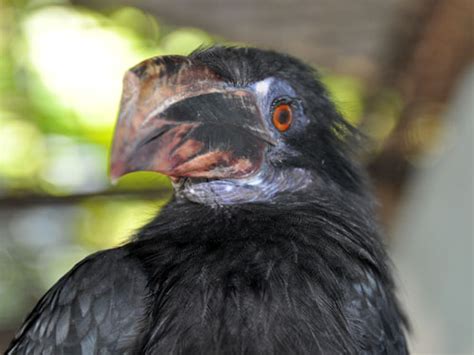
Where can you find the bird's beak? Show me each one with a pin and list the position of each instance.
(180, 119)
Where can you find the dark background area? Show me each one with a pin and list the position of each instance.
(400, 70)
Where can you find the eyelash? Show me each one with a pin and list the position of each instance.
(285, 100)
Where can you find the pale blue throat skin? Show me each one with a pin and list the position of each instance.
(263, 186)
(269, 181)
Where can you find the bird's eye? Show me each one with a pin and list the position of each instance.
(282, 117)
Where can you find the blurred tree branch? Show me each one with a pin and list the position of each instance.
(424, 68)
(42, 199)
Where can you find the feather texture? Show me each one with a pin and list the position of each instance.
(98, 306)
(303, 273)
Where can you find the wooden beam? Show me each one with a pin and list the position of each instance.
(344, 36)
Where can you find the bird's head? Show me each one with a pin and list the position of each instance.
(231, 125)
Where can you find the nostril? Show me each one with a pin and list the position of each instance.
(155, 134)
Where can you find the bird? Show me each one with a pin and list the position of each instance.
(270, 243)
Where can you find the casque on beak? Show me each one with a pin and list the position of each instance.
(180, 119)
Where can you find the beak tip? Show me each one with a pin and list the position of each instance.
(116, 171)
(114, 180)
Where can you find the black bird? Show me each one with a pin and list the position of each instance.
(269, 244)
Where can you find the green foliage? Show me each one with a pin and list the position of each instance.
(60, 81)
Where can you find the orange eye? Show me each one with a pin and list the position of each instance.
(282, 117)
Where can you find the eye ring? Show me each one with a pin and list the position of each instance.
(282, 117)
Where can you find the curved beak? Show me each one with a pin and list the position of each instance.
(180, 119)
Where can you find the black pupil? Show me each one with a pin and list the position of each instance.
(284, 116)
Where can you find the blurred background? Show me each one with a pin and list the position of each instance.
(401, 70)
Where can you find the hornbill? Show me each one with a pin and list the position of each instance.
(269, 244)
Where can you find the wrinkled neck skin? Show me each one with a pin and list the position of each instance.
(263, 186)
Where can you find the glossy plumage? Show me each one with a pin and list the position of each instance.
(302, 273)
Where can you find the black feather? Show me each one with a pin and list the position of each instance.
(306, 273)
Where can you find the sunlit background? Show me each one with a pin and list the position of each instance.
(61, 68)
